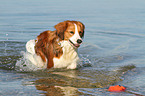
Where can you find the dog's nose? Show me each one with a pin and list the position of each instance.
(79, 41)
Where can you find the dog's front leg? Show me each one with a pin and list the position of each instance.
(72, 66)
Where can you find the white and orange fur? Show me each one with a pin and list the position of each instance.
(58, 48)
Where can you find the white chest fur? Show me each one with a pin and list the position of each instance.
(69, 59)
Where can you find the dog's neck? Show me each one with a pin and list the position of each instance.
(65, 44)
(69, 58)
(68, 49)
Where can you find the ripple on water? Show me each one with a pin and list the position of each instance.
(61, 81)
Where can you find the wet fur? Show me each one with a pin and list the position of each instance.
(52, 45)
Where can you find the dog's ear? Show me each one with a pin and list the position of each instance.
(82, 26)
(60, 28)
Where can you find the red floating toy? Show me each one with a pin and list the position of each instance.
(116, 88)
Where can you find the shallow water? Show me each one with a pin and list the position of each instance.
(112, 52)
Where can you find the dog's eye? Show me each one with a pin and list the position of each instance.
(80, 32)
(71, 32)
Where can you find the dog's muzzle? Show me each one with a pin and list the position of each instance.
(79, 41)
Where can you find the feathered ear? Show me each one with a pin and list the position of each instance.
(60, 28)
(82, 28)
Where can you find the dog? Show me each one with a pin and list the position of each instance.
(58, 48)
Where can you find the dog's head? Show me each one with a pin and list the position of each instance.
(72, 31)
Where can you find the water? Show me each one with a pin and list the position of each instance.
(112, 52)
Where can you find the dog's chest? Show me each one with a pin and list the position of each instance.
(69, 56)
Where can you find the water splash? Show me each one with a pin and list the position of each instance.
(23, 64)
(84, 61)
(5, 51)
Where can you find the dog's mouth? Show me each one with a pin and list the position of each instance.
(74, 45)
